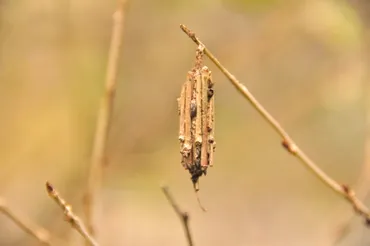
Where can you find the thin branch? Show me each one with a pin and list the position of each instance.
(287, 142)
(362, 186)
(70, 217)
(98, 157)
(41, 234)
(184, 216)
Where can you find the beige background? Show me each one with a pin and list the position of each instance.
(306, 61)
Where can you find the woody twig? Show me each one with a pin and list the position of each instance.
(41, 234)
(70, 216)
(98, 157)
(287, 142)
(184, 216)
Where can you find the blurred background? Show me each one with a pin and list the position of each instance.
(306, 61)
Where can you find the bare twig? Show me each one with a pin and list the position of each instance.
(181, 104)
(41, 234)
(184, 216)
(343, 190)
(70, 217)
(362, 189)
(104, 118)
(362, 186)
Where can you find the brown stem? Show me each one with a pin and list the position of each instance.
(287, 142)
(186, 148)
(187, 119)
(198, 117)
(181, 105)
(204, 114)
(70, 217)
(362, 185)
(41, 234)
(98, 157)
(184, 216)
(211, 122)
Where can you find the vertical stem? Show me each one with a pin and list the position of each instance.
(211, 120)
(204, 101)
(198, 119)
(186, 149)
(104, 120)
(181, 105)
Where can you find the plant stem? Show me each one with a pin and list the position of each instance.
(184, 216)
(70, 217)
(41, 234)
(287, 142)
(98, 158)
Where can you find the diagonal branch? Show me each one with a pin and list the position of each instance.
(184, 216)
(70, 216)
(41, 234)
(98, 157)
(345, 191)
(362, 187)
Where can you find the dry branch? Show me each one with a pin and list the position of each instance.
(287, 142)
(183, 216)
(41, 234)
(98, 157)
(362, 186)
(181, 104)
(70, 217)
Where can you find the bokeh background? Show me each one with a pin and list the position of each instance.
(306, 61)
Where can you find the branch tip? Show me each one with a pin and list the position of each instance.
(75, 222)
(189, 33)
(49, 187)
